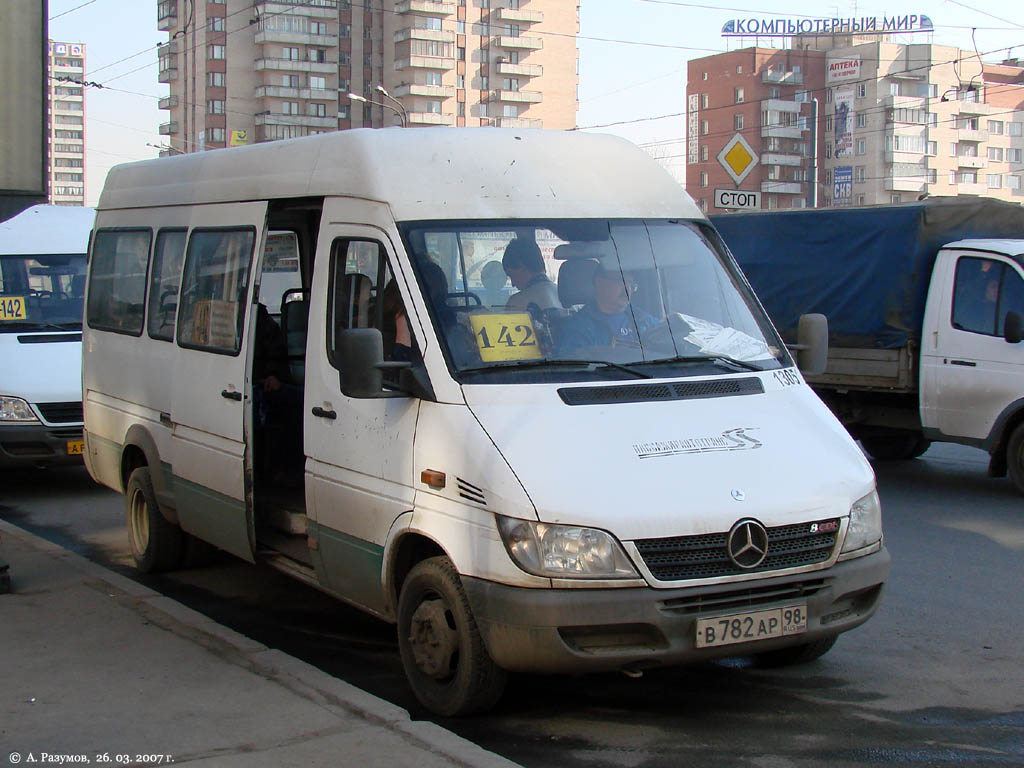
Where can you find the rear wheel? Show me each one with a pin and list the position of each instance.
(155, 543)
(796, 654)
(898, 447)
(1015, 458)
(443, 654)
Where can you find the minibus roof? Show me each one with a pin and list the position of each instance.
(47, 230)
(422, 173)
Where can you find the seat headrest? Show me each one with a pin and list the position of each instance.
(352, 301)
(576, 281)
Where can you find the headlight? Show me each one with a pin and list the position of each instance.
(15, 409)
(563, 551)
(865, 523)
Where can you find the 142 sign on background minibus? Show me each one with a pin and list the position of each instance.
(303, 353)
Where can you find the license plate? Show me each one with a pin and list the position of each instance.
(76, 447)
(747, 627)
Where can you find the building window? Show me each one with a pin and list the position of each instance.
(460, 109)
(739, 69)
(510, 110)
(215, 79)
(704, 128)
(933, 176)
(460, 27)
(434, 107)
(894, 199)
(933, 118)
(775, 92)
(460, 81)
(703, 75)
(290, 81)
(862, 147)
(317, 109)
(862, 91)
(318, 27)
(995, 153)
(484, 82)
(344, 30)
(344, 58)
(215, 52)
(703, 178)
(317, 83)
(460, 53)
(1013, 182)
(289, 107)
(432, 78)
(828, 96)
(511, 84)
(931, 148)
(703, 205)
(292, 54)
(828, 123)
(215, 135)
(967, 123)
(737, 122)
(859, 199)
(995, 127)
(828, 149)
(217, 24)
(737, 94)
(215, 107)
(858, 174)
(862, 120)
(1012, 155)
(952, 150)
(343, 111)
(994, 181)
(703, 153)
(704, 101)
(952, 177)
(318, 55)
(967, 177)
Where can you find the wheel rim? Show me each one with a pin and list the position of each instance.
(139, 519)
(433, 639)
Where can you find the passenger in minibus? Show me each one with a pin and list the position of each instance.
(524, 266)
(277, 401)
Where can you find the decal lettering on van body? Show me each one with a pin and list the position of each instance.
(730, 440)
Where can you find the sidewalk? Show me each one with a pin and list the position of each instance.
(92, 663)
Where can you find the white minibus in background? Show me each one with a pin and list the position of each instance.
(42, 290)
(633, 476)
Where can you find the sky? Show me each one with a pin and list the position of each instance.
(633, 56)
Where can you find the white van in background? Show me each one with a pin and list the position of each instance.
(42, 291)
(637, 478)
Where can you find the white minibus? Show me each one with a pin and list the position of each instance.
(42, 290)
(630, 476)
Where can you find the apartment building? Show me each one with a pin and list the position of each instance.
(66, 125)
(894, 122)
(241, 71)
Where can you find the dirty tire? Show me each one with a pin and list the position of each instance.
(796, 654)
(155, 543)
(1015, 458)
(443, 654)
(900, 447)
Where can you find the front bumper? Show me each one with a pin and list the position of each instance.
(35, 445)
(587, 630)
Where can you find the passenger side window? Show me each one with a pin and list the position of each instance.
(359, 273)
(211, 309)
(164, 282)
(117, 280)
(976, 295)
(1011, 298)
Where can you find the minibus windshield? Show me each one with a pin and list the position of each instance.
(41, 293)
(570, 299)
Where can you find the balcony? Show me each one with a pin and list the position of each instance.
(520, 70)
(782, 78)
(777, 159)
(295, 38)
(519, 43)
(321, 9)
(425, 62)
(167, 75)
(430, 35)
(168, 129)
(167, 49)
(514, 122)
(517, 97)
(905, 184)
(308, 121)
(284, 92)
(974, 108)
(969, 188)
(425, 7)
(966, 134)
(431, 118)
(779, 105)
(169, 20)
(782, 187)
(297, 65)
(903, 102)
(782, 132)
(972, 162)
(520, 17)
(898, 156)
(168, 102)
(429, 91)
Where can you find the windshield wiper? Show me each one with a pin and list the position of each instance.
(721, 360)
(547, 361)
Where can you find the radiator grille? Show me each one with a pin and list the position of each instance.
(705, 556)
(677, 390)
(61, 413)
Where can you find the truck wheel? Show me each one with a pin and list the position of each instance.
(442, 651)
(796, 654)
(896, 447)
(1015, 458)
(155, 543)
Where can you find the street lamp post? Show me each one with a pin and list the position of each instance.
(364, 100)
(401, 106)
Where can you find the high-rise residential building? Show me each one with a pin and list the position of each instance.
(241, 71)
(894, 122)
(66, 127)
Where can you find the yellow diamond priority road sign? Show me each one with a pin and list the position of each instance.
(738, 158)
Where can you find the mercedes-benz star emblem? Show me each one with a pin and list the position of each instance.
(748, 544)
(737, 494)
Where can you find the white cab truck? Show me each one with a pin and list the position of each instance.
(42, 289)
(925, 303)
(638, 477)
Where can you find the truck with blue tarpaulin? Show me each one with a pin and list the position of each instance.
(923, 302)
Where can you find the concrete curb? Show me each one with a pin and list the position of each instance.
(296, 675)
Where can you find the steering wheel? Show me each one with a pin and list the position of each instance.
(40, 294)
(670, 334)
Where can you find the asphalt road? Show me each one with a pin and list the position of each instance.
(934, 679)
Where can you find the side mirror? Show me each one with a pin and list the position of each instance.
(812, 344)
(1013, 327)
(362, 364)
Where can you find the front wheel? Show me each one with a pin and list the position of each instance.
(443, 654)
(896, 447)
(796, 654)
(155, 543)
(1015, 458)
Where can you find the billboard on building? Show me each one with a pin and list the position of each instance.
(843, 121)
(845, 70)
(842, 185)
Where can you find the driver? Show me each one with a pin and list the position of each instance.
(609, 320)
